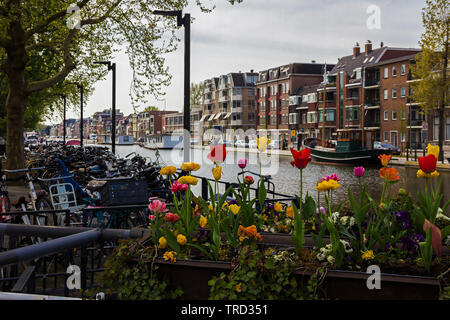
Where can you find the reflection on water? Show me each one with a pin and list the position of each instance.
(285, 177)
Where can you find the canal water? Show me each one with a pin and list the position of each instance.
(285, 177)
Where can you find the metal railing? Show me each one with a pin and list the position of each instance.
(46, 263)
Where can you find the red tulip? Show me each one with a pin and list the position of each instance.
(301, 158)
(248, 180)
(428, 164)
(218, 153)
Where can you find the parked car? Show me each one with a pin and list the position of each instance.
(252, 144)
(240, 144)
(386, 146)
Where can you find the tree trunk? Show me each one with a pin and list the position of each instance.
(15, 102)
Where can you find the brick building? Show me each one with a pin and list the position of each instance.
(278, 99)
(229, 104)
(364, 94)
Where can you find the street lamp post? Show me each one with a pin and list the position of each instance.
(186, 22)
(64, 119)
(112, 66)
(80, 86)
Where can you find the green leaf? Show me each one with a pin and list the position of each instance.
(262, 194)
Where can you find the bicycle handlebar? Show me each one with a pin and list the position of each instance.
(114, 179)
(57, 178)
(24, 170)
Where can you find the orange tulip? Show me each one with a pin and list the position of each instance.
(390, 174)
(385, 159)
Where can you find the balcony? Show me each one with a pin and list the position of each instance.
(224, 98)
(372, 124)
(372, 83)
(236, 110)
(414, 123)
(236, 122)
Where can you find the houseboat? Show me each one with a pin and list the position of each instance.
(164, 141)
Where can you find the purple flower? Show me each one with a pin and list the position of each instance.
(358, 171)
(403, 218)
(387, 247)
(411, 243)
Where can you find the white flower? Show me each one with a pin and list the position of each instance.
(335, 216)
(330, 259)
(352, 221)
(344, 220)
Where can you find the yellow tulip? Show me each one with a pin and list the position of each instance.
(262, 143)
(190, 166)
(328, 185)
(168, 171)
(188, 180)
(217, 173)
(421, 174)
(434, 150)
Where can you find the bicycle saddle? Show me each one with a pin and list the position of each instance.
(18, 203)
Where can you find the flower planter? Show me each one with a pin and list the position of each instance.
(193, 276)
(285, 240)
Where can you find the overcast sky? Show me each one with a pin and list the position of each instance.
(260, 34)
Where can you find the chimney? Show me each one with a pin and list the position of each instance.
(368, 47)
(251, 70)
(356, 50)
(313, 61)
(381, 44)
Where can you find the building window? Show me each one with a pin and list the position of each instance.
(403, 137)
(351, 114)
(394, 71)
(386, 136)
(312, 117)
(386, 94)
(447, 129)
(403, 92)
(394, 93)
(330, 115)
(386, 115)
(436, 124)
(403, 69)
(386, 73)
(358, 73)
(394, 115)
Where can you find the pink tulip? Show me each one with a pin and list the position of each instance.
(358, 171)
(157, 206)
(151, 217)
(242, 163)
(334, 176)
(172, 217)
(178, 187)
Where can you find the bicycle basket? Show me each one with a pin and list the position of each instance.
(124, 192)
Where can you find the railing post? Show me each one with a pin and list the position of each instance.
(204, 188)
(83, 268)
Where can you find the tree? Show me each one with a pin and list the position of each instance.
(70, 38)
(432, 86)
(151, 108)
(196, 94)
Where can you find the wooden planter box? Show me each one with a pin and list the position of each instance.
(193, 276)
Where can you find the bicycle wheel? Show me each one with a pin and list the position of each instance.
(43, 204)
